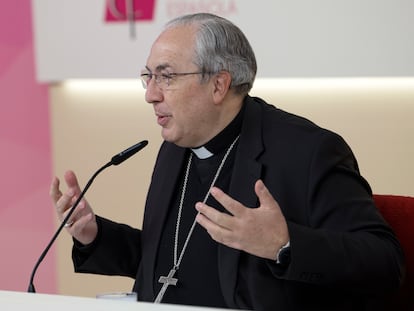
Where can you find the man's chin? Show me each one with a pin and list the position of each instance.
(168, 137)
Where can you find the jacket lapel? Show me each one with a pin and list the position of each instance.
(246, 172)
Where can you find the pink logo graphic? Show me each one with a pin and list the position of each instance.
(129, 10)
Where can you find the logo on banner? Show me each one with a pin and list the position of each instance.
(133, 11)
(129, 11)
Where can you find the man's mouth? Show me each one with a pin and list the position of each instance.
(163, 119)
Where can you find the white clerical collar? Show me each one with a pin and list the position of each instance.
(202, 153)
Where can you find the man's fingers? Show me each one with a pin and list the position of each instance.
(72, 181)
(214, 216)
(66, 200)
(265, 197)
(54, 191)
(81, 223)
(218, 232)
(77, 214)
(231, 205)
(77, 226)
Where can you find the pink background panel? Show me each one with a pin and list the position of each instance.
(26, 214)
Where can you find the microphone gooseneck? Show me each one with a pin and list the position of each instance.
(116, 160)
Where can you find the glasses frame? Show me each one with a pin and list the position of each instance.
(163, 80)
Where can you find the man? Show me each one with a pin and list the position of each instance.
(249, 207)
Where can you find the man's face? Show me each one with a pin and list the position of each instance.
(184, 109)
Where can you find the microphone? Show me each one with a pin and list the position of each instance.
(116, 160)
(127, 153)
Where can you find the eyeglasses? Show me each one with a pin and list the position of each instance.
(163, 80)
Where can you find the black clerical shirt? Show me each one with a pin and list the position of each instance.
(198, 282)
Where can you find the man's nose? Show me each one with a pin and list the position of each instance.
(153, 93)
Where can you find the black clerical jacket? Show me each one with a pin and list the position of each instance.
(343, 255)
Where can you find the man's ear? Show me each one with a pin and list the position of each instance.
(222, 82)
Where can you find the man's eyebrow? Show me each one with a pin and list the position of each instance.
(159, 67)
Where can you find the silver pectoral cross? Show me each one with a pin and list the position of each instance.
(166, 281)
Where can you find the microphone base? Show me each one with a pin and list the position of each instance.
(31, 289)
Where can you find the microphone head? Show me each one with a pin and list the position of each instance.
(127, 153)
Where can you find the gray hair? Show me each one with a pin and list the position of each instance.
(221, 45)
